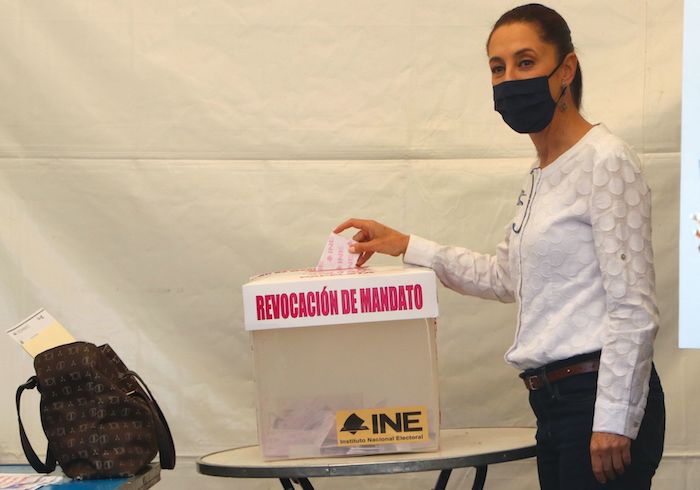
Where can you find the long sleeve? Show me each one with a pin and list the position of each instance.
(620, 217)
(465, 271)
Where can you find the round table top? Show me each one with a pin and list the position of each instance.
(459, 448)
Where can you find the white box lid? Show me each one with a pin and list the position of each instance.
(305, 298)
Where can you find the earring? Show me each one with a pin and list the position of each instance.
(563, 105)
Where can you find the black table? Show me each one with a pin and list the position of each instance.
(459, 448)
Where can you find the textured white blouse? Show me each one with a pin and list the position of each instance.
(578, 261)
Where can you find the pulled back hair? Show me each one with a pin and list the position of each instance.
(553, 30)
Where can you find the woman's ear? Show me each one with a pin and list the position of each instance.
(569, 66)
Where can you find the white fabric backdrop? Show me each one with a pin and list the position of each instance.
(154, 155)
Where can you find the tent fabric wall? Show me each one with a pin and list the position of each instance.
(154, 155)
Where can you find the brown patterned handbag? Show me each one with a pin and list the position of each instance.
(99, 417)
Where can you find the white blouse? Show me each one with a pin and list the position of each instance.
(578, 261)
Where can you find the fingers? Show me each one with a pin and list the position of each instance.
(627, 454)
(360, 224)
(618, 464)
(601, 463)
(365, 227)
(364, 257)
(360, 236)
(374, 237)
(343, 226)
(610, 453)
(597, 465)
(365, 249)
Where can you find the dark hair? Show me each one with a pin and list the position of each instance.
(553, 30)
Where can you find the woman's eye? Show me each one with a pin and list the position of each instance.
(496, 70)
(526, 63)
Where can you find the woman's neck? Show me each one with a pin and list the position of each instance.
(566, 129)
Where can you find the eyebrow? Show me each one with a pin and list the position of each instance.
(519, 52)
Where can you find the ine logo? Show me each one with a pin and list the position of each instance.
(386, 425)
(353, 424)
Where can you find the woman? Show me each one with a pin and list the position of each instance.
(577, 260)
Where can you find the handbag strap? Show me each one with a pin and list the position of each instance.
(166, 445)
(29, 452)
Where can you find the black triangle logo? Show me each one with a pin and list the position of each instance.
(353, 424)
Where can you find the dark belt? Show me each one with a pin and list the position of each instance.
(537, 381)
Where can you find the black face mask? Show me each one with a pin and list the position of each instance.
(526, 105)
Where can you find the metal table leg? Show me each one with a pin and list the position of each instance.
(304, 482)
(480, 478)
(442, 480)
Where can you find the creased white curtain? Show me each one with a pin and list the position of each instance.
(154, 155)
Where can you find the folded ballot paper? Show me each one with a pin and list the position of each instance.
(336, 254)
(345, 358)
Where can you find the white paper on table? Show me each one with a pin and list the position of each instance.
(336, 254)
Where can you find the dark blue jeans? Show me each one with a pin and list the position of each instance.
(564, 412)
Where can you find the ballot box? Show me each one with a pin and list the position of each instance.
(345, 361)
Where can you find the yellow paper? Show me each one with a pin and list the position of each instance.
(40, 332)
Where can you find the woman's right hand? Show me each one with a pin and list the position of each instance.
(374, 237)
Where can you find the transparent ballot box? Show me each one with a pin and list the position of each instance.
(352, 371)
